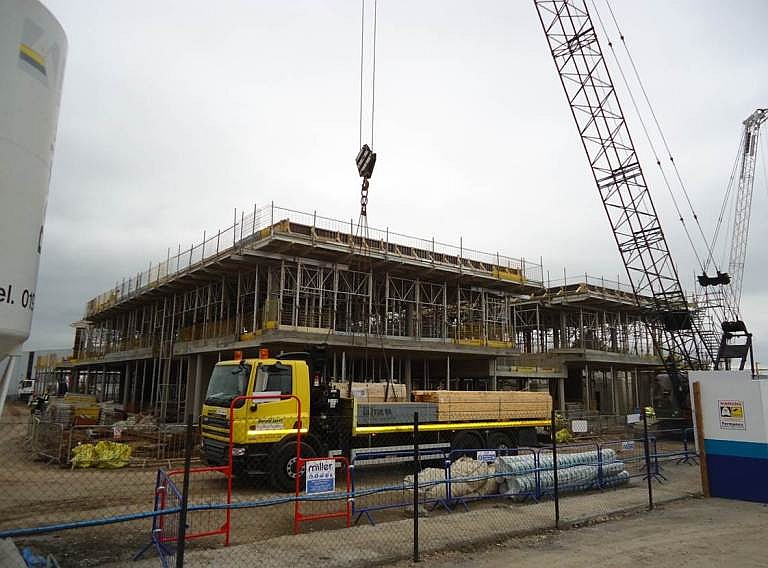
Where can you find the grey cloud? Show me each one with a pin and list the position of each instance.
(174, 114)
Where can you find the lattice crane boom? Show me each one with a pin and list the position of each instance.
(619, 177)
(742, 212)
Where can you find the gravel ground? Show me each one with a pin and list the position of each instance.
(695, 533)
(486, 524)
(37, 493)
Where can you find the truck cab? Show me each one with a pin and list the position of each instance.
(264, 429)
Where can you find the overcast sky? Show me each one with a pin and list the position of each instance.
(175, 113)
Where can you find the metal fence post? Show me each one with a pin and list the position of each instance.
(553, 429)
(416, 487)
(182, 536)
(647, 450)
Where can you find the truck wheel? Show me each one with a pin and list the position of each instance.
(466, 440)
(282, 465)
(500, 441)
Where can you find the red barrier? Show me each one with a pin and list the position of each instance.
(231, 443)
(299, 517)
(223, 529)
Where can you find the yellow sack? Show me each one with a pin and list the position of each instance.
(105, 455)
(83, 455)
(563, 435)
(112, 455)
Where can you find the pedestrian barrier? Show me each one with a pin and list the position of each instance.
(364, 499)
(165, 523)
(305, 464)
(472, 486)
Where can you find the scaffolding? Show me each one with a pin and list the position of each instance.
(391, 307)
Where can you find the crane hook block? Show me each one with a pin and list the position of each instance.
(366, 160)
(736, 326)
(722, 279)
(677, 320)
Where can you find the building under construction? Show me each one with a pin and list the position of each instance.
(387, 306)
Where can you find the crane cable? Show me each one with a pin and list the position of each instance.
(362, 226)
(373, 66)
(362, 52)
(648, 136)
(726, 199)
(373, 69)
(661, 132)
(366, 158)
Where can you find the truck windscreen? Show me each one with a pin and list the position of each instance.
(227, 382)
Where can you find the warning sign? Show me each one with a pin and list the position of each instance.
(732, 415)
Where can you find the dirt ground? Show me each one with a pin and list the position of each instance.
(694, 533)
(37, 493)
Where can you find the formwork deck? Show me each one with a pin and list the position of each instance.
(323, 240)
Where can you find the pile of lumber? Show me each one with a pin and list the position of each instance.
(374, 392)
(462, 406)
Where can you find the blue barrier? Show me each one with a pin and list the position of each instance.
(687, 455)
(359, 511)
(464, 500)
(563, 451)
(165, 524)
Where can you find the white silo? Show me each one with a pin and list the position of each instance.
(33, 49)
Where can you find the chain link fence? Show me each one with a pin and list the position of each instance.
(380, 505)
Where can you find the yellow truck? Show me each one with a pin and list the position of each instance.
(265, 430)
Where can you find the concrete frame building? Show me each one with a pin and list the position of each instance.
(388, 307)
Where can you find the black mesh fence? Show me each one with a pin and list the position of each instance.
(74, 491)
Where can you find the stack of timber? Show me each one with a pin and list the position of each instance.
(462, 406)
(374, 392)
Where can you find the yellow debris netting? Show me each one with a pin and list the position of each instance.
(105, 455)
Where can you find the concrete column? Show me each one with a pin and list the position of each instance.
(197, 398)
(143, 385)
(448, 373)
(135, 383)
(627, 382)
(587, 389)
(636, 380)
(561, 394)
(343, 365)
(494, 376)
(614, 391)
(407, 376)
(126, 383)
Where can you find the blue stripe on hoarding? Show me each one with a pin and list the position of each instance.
(737, 449)
(734, 477)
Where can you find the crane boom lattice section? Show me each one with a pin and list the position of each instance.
(613, 159)
(747, 162)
